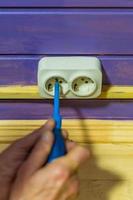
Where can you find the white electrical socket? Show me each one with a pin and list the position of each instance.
(79, 77)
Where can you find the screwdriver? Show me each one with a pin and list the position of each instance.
(58, 148)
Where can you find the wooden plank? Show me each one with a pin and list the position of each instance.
(66, 3)
(108, 174)
(82, 131)
(22, 70)
(66, 31)
(109, 162)
(111, 190)
(70, 109)
(32, 92)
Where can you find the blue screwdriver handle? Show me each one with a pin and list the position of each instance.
(58, 148)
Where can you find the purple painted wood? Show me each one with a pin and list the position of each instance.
(66, 3)
(21, 70)
(66, 31)
(93, 109)
(117, 70)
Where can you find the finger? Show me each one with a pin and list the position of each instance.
(27, 142)
(75, 158)
(18, 150)
(39, 154)
(70, 145)
(49, 125)
(65, 134)
(64, 167)
(71, 188)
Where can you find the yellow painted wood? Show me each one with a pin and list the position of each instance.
(106, 190)
(108, 175)
(31, 92)
(109, 162)
(83, 131)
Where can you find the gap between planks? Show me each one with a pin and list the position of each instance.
(32, 92)
(82, 131)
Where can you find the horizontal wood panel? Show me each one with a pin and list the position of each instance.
(66, 31)
(109, 171)
(82, 131)
(66, 3)
(22, 70)
(114, 157)
(32, 92)
(109, 189)
(114, 165)
(109, 175)
(92, 109)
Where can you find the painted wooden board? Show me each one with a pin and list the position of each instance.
(109, 173)
(106, 190)
(66, 3)
(70, 109)
(82, 131)
(101, 166)
(66, 31)
(32, 92)
(22, 70)
(114, 157)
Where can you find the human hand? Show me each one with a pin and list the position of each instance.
(12, 158)
(57, 180)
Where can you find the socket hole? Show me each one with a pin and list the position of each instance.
(83, 86)
(75, 87)
(56, 79)
(49, 85)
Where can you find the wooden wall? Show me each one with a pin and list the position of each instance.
(34, 29)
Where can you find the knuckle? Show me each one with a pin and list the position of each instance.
(62, 173)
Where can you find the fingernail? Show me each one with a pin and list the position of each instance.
(49, 123)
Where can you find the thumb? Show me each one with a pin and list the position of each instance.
(39, 154)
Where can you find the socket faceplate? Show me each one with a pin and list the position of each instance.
(79, 77)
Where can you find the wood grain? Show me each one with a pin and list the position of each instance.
(66, 31)
(70, 109)
(106, 190)
(67, 3)
(22, 70)
(112, 162)
(32, 92)
(108, 174)
(82, 131)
